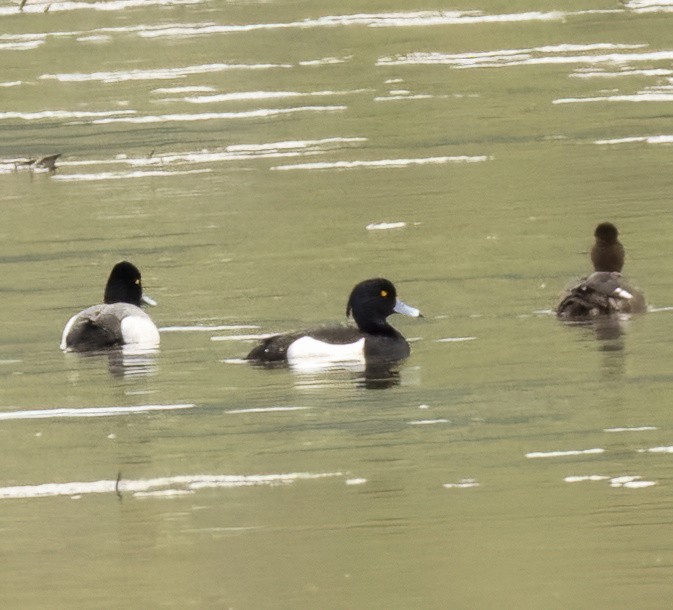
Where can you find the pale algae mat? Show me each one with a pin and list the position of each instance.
(256, 159)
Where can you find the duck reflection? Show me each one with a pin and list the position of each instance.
(133, 361)
(609, 333)
(377, 375)
(125, 361)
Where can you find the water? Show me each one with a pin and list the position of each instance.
(256, 160)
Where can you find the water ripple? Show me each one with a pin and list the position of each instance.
(627, 481)
(90, 411)
(548, 454)
(167, 485)
(105, 5)
(209, 116)
(377, 20)
(550, 54)
(384, 163)
(118, 76)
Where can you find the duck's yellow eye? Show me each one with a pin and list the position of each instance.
(384, 293)
(137, 282)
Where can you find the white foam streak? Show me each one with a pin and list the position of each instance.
(235, 152)
(428, 422)
(385, 226)
(26, 37)
(293, 144)
(63, 114)
(107, 5)
(154, 74)
(547, 454)
(325, 61)
(241, 337)
(166, 485)
(168, 164)
(90, 411)
(650, 6)
(587, 73)
(20, 46)
(634, 429)
(462, 484)
(13, 166)
(96, 39)
(637, 97)
(389, 98)
(383, 163)
(454, 339)
(262, 95)
(164, 493)
(458, 18)
(659, 450)
(265, 410)
(583, 478)
(195, 89)
(210, 116)
(628, 481)
(200, 328)
(393, 19)
(125, 175)
(643, 139)
(554, 54)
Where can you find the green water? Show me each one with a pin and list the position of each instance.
(440, 491)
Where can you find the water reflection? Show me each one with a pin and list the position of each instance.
(379, 376)
(316, 374)
(608, 332)
(126, 360)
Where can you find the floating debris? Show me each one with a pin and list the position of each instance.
(382, 226)
(462, 484)
(47, 163)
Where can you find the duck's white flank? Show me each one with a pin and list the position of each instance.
(307, 347)
(140, 330)
(66, 330)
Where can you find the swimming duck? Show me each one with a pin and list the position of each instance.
(606, 291)
(370, 303)
(118, 321)
(602, 293)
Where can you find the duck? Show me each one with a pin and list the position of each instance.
(373, 339)
(604, 292)
(118, 321)
(601, 293)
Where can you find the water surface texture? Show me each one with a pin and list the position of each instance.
(256, 160)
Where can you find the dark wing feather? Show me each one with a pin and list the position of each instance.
(274, 349)
(94, 329)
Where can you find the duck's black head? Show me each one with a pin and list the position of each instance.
(606, 232)
(124, 285)
(372, 301)
(607, 253)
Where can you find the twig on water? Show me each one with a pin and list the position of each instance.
(117, 484)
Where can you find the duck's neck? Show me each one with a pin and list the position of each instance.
(375, 327)
(116, 294)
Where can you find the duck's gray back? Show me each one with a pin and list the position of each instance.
(99, 326)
